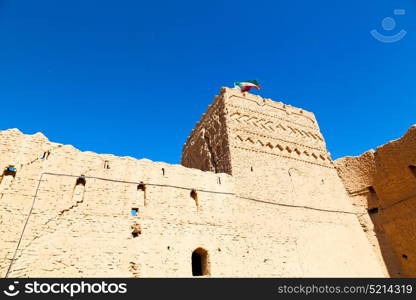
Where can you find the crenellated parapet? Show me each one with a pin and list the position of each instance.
(257, 125)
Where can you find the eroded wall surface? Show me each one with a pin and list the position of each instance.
(207, 147)
(87, 230)
(286, 179)
(267, 203)
(382, 186)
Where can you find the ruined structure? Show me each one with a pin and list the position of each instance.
(257, 195)
(382, 187)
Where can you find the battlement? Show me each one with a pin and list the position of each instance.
(280, 106)
(280, 109)
(251, 123)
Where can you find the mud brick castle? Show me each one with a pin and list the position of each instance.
(256, 195)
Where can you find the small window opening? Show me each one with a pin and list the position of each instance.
(136, 230)
(200, 264)
(79, 190)
(141, 187)
(372, 200)
(141, 193)
(81, 180)
(194, 195)
(45, 155)
(251, 169)
(404, 256)
(219, 180)
(163, 171)
(373, 210)
(134, 211)
(106, 164)
(413, 170)
(10, 171)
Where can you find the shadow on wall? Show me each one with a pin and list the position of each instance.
(382, 185)
(375, 214)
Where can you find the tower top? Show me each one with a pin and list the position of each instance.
(239, 120)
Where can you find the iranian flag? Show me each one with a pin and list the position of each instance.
(245, 86)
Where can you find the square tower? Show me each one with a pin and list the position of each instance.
(275, 152)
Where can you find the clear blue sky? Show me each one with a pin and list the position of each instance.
(133, 77)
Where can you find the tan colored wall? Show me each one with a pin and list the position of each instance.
(278, 156)
(207, 147)
(289, 217)
(87, 232)
(76, 231)
(390, 222)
